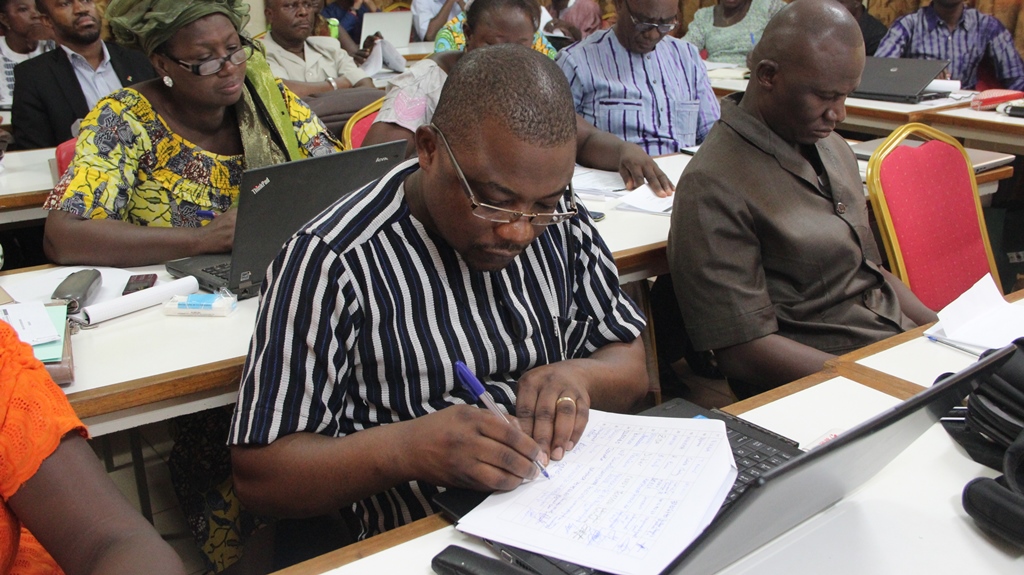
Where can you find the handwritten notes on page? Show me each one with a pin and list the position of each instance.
(632, 494)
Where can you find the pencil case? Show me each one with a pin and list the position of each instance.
(989, 99)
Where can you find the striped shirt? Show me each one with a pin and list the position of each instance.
(364, 314)
(662, 101)
(923, 34)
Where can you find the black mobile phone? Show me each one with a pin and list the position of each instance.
(138, 283)
(597, 216)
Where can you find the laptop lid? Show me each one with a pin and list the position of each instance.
(811, 482)
(395, 27)
(897, 79)
(982, 160)
(276, 201)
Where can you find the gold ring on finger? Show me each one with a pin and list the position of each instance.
(566, 398)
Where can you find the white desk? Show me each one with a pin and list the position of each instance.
(146, 367)
(25, 182)
(986, 130)
(872, 116)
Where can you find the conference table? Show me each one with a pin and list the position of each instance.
(868, 116)
(907, 519)
(984, 129)
(25, 180)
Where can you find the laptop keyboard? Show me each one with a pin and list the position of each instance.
(220, 270)
(754, 457)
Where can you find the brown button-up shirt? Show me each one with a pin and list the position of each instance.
(760, 245)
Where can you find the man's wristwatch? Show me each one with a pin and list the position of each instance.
(332, 82)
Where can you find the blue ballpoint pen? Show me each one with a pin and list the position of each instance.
(476, 389)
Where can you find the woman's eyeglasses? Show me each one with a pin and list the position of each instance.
(214, 65)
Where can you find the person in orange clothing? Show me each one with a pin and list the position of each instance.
(58, 508)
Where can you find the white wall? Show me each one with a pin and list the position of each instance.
(257, 23)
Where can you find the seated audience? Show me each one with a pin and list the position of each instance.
(453, 35)
(574, 18)
(771, 251)
(349, 14)
(56, 90)
(137, 199)
(413, 96)
(730, 29)
(475, 250)
(429, 16)
(59, 511)
(949, 30)
(665, 102)
(870, 27)
(308, 64)
(22, 36)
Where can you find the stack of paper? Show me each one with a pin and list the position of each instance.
(979, 318)
(632, 494)
(588, 181)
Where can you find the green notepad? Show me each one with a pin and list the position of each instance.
(52, 351)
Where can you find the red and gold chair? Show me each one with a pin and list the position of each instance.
(359, 124)
(926, 203)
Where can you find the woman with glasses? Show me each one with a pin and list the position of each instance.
(728, 30)
(157, 166)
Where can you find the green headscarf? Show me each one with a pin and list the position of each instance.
(146, 24)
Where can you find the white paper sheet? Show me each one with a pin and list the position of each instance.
(632, 494)
(30, 321)
(643, 199)
(598, 182)
(980, 317)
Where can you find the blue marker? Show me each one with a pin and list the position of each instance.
(476, 389)
(752, 41)
(206, 214)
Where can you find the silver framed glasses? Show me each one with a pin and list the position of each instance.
(502, 215)
(643, 27)
(214, 65)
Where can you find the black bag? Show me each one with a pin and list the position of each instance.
(993, 434)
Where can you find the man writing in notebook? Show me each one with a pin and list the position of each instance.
(475, 250)
(772, 257)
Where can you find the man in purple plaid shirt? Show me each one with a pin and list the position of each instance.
(948, 30)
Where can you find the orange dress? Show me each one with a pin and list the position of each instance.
(34, 416)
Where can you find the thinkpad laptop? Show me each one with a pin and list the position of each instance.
(898, 79)
(782, 497)
(276, 201)
(395, 27)
(982, 160)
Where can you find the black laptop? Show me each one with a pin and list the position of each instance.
(276, 201)
(806, 484)
(899, 79)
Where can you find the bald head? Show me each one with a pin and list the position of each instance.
(514, 86)
(803, 28)
(808, 61)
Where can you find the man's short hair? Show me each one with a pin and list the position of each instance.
(520, 88)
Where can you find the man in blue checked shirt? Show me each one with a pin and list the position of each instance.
(948, 30)
(638, 83)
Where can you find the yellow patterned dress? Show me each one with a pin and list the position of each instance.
(130, 166)
(451, 37)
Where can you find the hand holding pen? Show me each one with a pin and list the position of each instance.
(476, 389)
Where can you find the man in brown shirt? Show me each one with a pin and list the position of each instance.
(772, 257)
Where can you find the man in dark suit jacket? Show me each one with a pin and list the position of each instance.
(48, 97)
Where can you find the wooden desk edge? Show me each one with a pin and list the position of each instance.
(225, 374)
(367, 547)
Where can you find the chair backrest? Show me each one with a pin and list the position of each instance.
(359, 124)
(926, 203)
(65, 153)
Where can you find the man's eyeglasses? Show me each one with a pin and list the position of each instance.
(214, 65)
(643, 27)
(501, 215)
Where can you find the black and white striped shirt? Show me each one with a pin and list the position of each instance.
(364, 314)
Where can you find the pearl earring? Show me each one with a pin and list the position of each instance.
(168, 82)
